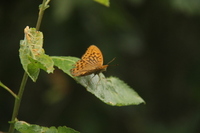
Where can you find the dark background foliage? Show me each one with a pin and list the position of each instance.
(156, 44)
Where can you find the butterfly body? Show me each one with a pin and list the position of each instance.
(91, 62)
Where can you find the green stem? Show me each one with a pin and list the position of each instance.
(9, 90)
(43, 6)
(40, 16)
(18, 102)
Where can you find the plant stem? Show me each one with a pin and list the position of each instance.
(40, 16)
(17, 102)
(42, 8)
(9, 90)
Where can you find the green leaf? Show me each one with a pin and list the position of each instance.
(65, 63)
(25, 127)
(44, 62)
(32, 55)
(103, 2)
(112, 90)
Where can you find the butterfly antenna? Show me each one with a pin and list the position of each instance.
(111, 61)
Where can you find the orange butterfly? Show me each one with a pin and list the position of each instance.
(91, 62)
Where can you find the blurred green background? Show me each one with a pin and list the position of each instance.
(156, 44)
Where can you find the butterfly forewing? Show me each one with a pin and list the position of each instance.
(91, 62)
(93, 56)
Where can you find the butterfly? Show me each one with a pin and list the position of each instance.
(91, 62)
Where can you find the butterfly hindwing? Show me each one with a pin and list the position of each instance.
(80, 69)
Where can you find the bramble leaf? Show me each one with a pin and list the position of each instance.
(24, 127)
(103, 2)
(112, 90)
(32, 55)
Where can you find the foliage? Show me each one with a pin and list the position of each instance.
(32, 54)
(112, 90)
(25, 127)
(104, 2)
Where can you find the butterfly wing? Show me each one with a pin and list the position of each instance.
(93, 56)
(82, 68)
(91, 62)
